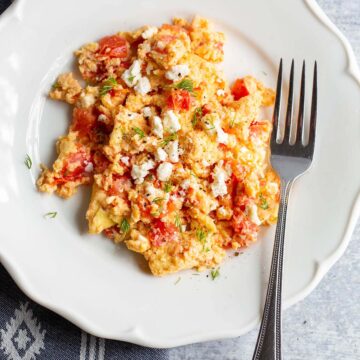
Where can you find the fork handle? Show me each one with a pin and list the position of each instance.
(268, 345)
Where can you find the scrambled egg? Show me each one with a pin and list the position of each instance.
(177, 159)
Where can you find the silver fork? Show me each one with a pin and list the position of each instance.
(290, 160)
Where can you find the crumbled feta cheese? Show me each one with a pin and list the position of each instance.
(132, 75)
(171, 121)
(152, 192)
(172, 148)
(183, 228)
(253, 214)
(205, 163)
(89, 167)
(220, 92)
(147, 112)
(157, 127)
(164, 171)
(138, 172)
(87, 100)
(102, 118)
(143, 86)
(125, 160)
(149, 32)
(221, 135)
(160, 154)
(160, 45)
(218, 186)
(177, 72)
(110, 199)
(185, 184)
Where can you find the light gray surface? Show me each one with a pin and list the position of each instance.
(326, 325)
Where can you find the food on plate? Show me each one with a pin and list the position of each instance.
(177, 158)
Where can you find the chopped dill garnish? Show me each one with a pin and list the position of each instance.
(124, 226)
(108, 85)
(185, 84)
(28, 161)
(215, 273)
(196, 116)
(139, 132)
(51, 214)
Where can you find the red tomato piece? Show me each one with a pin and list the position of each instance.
(239, 89)
(179, 100)
(120, 184)
(112, 232)
(161, 232)
(243, 225)
(114, 46)
(83, 121)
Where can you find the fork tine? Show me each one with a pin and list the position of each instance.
(300, 122)
(289, 110)
(313, 111)
(275, 130)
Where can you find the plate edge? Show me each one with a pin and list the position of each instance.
(135, 335)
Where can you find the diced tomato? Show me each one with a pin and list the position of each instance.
(239, 89)
(179, 100)
(238, 171)
(112, 232)
(243, 225)
(114, 46)
(120, 184)
(83, 121)
(171, 206)
(162, 232)
(206, 109)
(100, 162)
(164, 40)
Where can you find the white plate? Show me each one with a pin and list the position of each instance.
(101, 287)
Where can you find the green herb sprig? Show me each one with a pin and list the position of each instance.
(139, 132)
(263, 202)
(28, 161)
(215, 273)
(108, 85)
(168, 138)
(124, 226)
(196, 116)
(185, 84)
(51, 215)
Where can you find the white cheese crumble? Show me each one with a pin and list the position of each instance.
(220, 92)
(164, 171)
(125, 160)
(253, 214)
(149, 32)
(161, 45)
(185, 184)
(157, 127)
(172, 149)
(147, 112)
(138, 172)
(160, 154)
(171, 121)
(102, 118)
(143, 86)
(89, 167)
(87, 100)
(220, 176)
(221, 135)
(177, 72)
(132, 75)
